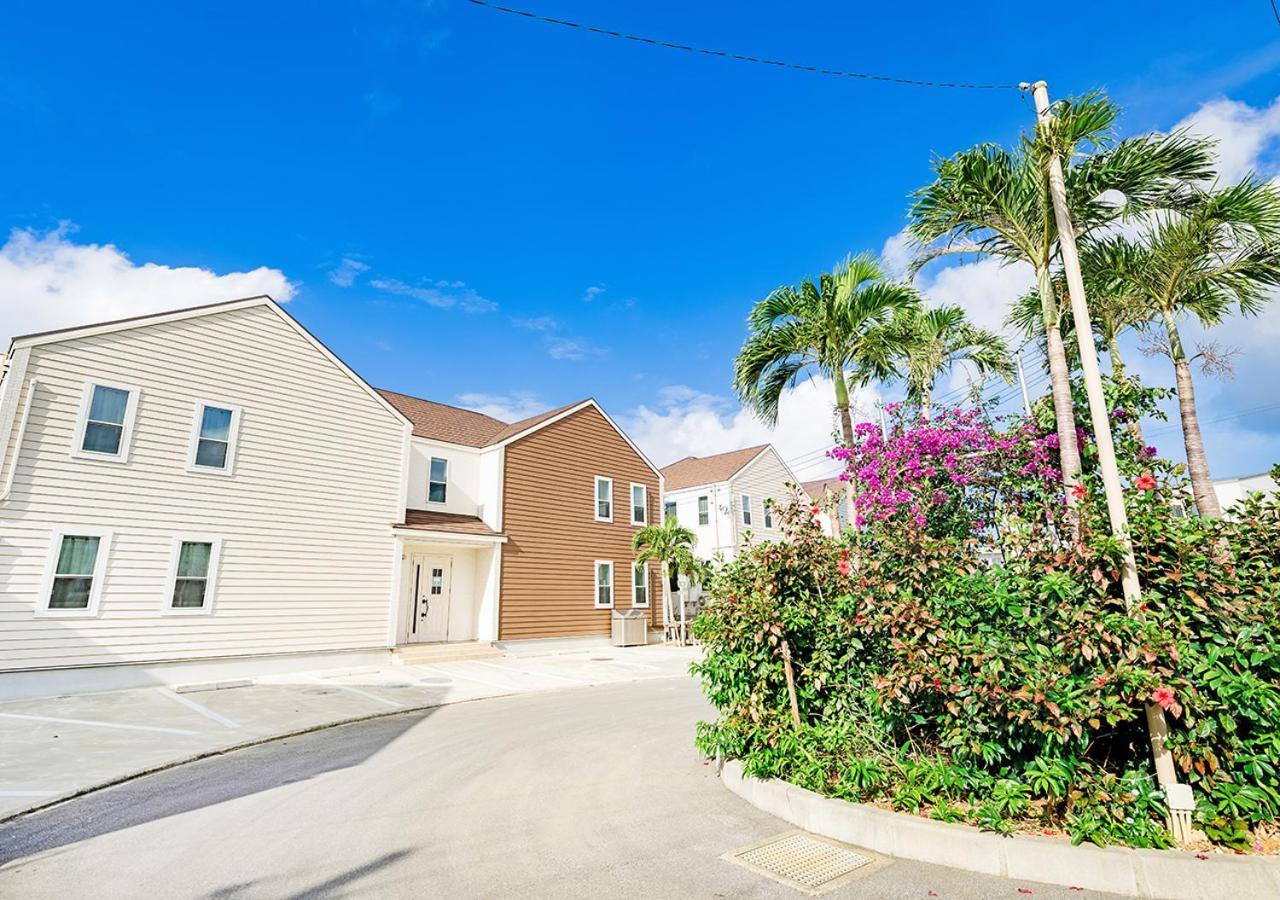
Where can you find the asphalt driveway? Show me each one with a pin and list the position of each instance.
(583, 793)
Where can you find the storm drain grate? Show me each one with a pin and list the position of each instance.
(805, 862)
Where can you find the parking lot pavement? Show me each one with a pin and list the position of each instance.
(57, 747)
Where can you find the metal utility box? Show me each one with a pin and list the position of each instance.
(630, 627)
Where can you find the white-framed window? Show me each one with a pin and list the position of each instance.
(768, 515)
(746, 509)
(669, 510)
(105, 426)
(704, 510)
(604, 584)
(639, 504)
(193, 574)
(438, 480)
(214, 430)
(604, 499)
(640, 585)
(74, 572)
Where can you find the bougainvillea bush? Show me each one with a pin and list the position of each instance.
(1009, 696)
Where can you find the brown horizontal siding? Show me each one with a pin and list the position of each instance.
(553, 540)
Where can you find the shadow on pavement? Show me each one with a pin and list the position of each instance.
(203, 783)
(331, 887)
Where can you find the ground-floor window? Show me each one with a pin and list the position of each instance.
(604, 584)
(191, 574)
(77, 566)
(640, 584)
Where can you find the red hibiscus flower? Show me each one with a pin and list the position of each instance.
(1100, 681)
(844, 567)
(1145, 482)
(815, 510)
(1163, 696)
(1079, 491)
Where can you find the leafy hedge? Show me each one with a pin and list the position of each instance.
(1009, 696)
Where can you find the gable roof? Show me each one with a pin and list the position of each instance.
(454, 425)
(695, 470)
(191, 312)
(818, 489)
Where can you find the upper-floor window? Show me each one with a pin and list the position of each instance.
(213, 438)
(640, 584)
(768, 516)
(639, 504)
(192, 571)
(604, 499)
(604, 584)
(438, 480)
(107, 412)
(704, 510)
(73, 579)
(746, 509)
(669, 510)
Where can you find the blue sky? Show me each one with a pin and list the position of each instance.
(532, 214)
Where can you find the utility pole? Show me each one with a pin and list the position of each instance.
(1178, 796)
(884, 428)
(1022, 380)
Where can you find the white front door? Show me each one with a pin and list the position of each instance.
(428, 613)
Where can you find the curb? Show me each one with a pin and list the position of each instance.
(1168, 874)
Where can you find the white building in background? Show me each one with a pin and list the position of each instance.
(722, 498)
(1232, 490)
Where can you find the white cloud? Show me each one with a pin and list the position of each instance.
(558, 344)
(441, 294)
(1245, 135)
(592, 292)
(686, 422)
(504, 407)
(347, 271)
(897, 253)
(47, 280)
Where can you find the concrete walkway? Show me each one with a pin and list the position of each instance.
(563, 794)
(58, 747)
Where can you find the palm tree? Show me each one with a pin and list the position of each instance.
(837, 326)
(933, 340)
(1218, 252)
(671, 544)
(994, 202)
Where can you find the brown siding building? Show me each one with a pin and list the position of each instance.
(554, 537)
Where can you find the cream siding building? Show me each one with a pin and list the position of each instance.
(288, 545)
(722, 498)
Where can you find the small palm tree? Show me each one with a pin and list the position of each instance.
(931, 341)
(1218, 253)
(837, 326)
(671, 544)
(995, 202)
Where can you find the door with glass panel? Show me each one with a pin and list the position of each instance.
(429, 591)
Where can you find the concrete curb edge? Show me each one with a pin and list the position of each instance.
(1168, 874)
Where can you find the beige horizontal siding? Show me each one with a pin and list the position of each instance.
(764, 478)
(548, 576)
(306, 559)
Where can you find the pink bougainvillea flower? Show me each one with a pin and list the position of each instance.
(1163, 697)
(1079, 491)
(844, 567)
(1145, 482)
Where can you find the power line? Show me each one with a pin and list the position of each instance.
(741, 56)
(1275, 10)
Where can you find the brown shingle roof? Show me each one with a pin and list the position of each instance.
(695, 470)
(430, 520)
(442, 422)
(818, 489)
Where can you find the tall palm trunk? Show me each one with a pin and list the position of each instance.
(846, 432)
(1060, 381)
(926, 401)
(1197, 462)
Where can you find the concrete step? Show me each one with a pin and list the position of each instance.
(423, 654)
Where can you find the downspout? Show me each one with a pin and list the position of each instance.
(22, 432)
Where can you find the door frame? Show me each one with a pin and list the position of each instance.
(418, 568)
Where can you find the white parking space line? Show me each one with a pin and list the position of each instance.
(356, 690)
(95, 724)
(203, 710)
(450, 673)
(532, 672)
